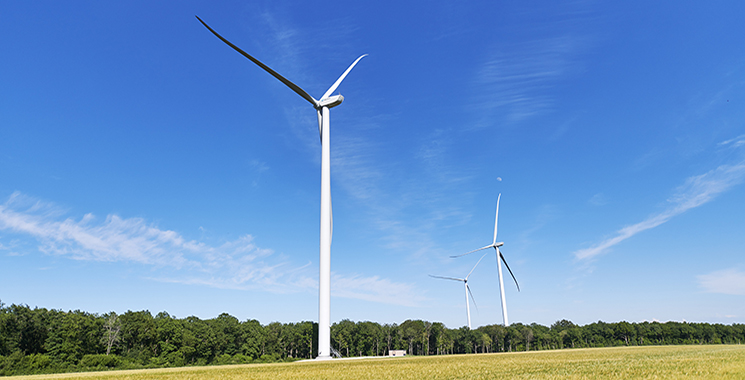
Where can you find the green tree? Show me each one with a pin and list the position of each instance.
(625, 331)
(342, 334)
(228, 337)
(253, 338)
(413, 331)
(202, 339)
(560, 329)
(542, 336)
(305, 339)
(22, 328)
(273, 343)
(389, 333)
(169, 335)
(138, 335)
(73, 335)
(527, 334)
(439, 337)
(368, 338)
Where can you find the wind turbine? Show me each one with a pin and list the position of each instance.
(496, 246)
(467, 289)
(322, 107)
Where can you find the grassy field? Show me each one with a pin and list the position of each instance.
(657, 362)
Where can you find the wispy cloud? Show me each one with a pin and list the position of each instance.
(516, 79)
(546, 214)
(436, 154)
(12, 248)
(726, 281)
(286, 43)
(737, 142)
(598, 199)
(295, 49)
(354, 163)
(696, 191)
(237, 264)
(258, 166)
(375, 289)
(515, 82)
(422, 204)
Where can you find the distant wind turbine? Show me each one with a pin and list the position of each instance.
(322, 107)
(467, 290)
(496, 246)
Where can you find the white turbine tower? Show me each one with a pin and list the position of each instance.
(496, 246)
(467, 289)
(322, 107)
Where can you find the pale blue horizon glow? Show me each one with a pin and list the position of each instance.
(147, 165)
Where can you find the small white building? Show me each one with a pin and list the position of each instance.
(396, 352)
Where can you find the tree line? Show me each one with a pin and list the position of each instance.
(46, 341)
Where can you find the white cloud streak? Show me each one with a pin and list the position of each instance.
(515, 83)
(375, 289)
(115, 239)
(696, 191)
(737, 142)
(238, 264)
(727, 281)
(516, 80)
(598, 199)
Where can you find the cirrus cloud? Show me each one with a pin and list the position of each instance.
(726, 281)
(238, 264)
(694, 192)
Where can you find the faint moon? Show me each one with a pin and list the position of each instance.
(499, 179)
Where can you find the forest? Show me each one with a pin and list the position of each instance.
(38, 340)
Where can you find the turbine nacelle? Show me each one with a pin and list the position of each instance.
(331, 101)
(497, 245)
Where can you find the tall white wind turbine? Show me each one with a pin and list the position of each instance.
(467, 288)
(496, 246)
(322, 107)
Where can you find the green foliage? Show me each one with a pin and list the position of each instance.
(22, 328)
(268, 358)
(46, 341)
(73, 335)
(99, 362)
(138, 335)
(253, 339)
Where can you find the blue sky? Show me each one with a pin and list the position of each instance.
(146, 165)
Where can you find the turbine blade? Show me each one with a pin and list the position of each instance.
(331, 214)
(477, 264)
(275, 74)
(320, 125)
(508, 268)
(496, 219)
(472, 299)
(341, 78)
(475, 250)
(448, 278)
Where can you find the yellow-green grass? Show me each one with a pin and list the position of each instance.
(656, 362)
